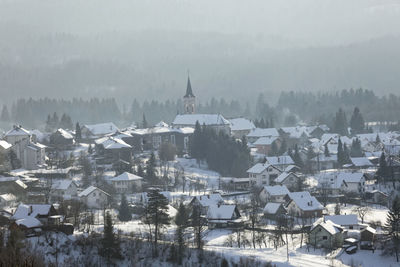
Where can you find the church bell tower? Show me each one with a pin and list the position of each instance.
(189, 100)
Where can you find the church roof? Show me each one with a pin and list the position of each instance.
(189, 92)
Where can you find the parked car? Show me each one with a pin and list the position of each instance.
(351, 250)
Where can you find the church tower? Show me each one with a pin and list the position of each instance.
(189, 99)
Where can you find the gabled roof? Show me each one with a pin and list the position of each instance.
(110, 142)
(161, 124)
(305, 201)
(89, 190)
(5, 145)
(208, 200)
(8, 197)
(361, 162)
(221, 212)
(259, 168)
(31, 210)
(18, 131)
(283, 176)
(126, 176)
(354, 177)
(62, 184)
(276, 190)
(271, 207)
(343, 220)
(29, 222)
(265, 140)
(64, 133)
(295, 132)
(263, 132)
(280, 160)
(101, 128)
(240, 124)
(207, 119)
(329, 226)
(369, 229)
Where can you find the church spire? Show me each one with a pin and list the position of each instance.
(189, 92)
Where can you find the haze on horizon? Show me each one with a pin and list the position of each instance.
(142, 49)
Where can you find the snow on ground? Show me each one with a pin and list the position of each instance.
(192, 171)
(367, 258)
(376, 213)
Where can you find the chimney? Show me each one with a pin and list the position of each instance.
(30, 210)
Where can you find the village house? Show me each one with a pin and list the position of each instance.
(94, 197)
(214, 121)
(303, 205)
(257, 133)
(360, 163)
(63, 190)
(30, 153)
(288, 179)
(205, 201)
(96, 131)
(294, 135)
(5, 164)
(325, 234)
(276, 193)
(273, 210)
(317, 131)
(342, 182)
(349, 222)
(61, 139)
(322, 162)
(280, 162)
(110, 149)
(262, 174)
(127, 183)
(241, 127)
(13, 185)
(7, 200)
(266, 145)
(222, 216)
(367, 238)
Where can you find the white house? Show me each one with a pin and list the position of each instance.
(241, 127)
(262, 174)
(214, 121)
(276, 193)
(302, 204)
(94, 131)
(349, 222)
(205, 201)
(280, 162)
(338, 182)
(223, 216)
(64, 190)
(127, 182)
(94, 197)
(288, 179)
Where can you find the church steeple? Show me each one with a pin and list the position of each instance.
(189, 99)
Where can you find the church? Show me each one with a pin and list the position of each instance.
(190, 117)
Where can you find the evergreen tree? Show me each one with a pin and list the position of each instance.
(14, 161)
(55, 121)
(297, 158)
(109, 244)
(144, 122)
(124, 214)
(197, 145)
(274, 149)
(151, 173)
(181, 221)
(340, 123)
(356, 150)
(283, 148)
(378, 139)
(357, 122)
(140, 171)
(393, 225)
(337, 209)
(5, 115)
(326, 150)
(156, 214)
(90, 149)
(340, 153)
(78, 133)
(346, 155)
(383, 168)
(66, 122)
(49, 124)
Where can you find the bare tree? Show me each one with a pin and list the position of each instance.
(362, 212)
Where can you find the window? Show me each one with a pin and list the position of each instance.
(173, 139)
(324, 237)
(94, 194)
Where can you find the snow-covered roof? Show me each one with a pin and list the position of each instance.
(126, 176)
(14, 179)
(5, 145)
(102, 128)
(354, 177)
(280, 160)
(185, 130)
(263, 132)
(31, 210)
(282, 177)
(276, 190)
(36, 146)
(89, 190)
(18, 131)
(61, 184)
(240, 124)
(64, 133)
(343, 220)
(161, 124)
(220, 212)
(263, 141)
(207, 119)
(295, 132)
(329, 226)
(271, 207)
(258, 168)
(361, 162)
(8, 197)
(110, 142)
(211, 199)
(369, 229)
(305, 201)
(29, 222)
(323, 158)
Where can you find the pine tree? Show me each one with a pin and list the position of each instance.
(340, 123)
(378, 139)
(151, 175)
(356, 150)
(78, 133)
(5, 116)
(156, 214)
(90, 149)
(124, 214)
(393, 225)
(357, 122)
(274, 149)
(109, 244)
(181, 221)
(326, 151)
(144, 122)
(383, 168)
(55, 121)
(340, 154)
(283, 148)
(346, 155)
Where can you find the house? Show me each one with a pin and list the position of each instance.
(5, 164)
(325, 234)
(266, 145)
(274, 210)
(262, 174)
(61, 139)
(360, 163)
(317, 131)
(241, 127)
(222, 216)
(95, 131)
(322, 162)
(12, 185)
(111, 149)
(261, 132)
(205, 201)
(30, 153)
(337, 182)
(377, 197)
(7, 200)
(276, 193)
(94, 197)
(367, 238)
(303, 205)
(281, 162)
(127, 183)
(63, 190)
(288, 179)
(213, 121)
(349, 222)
